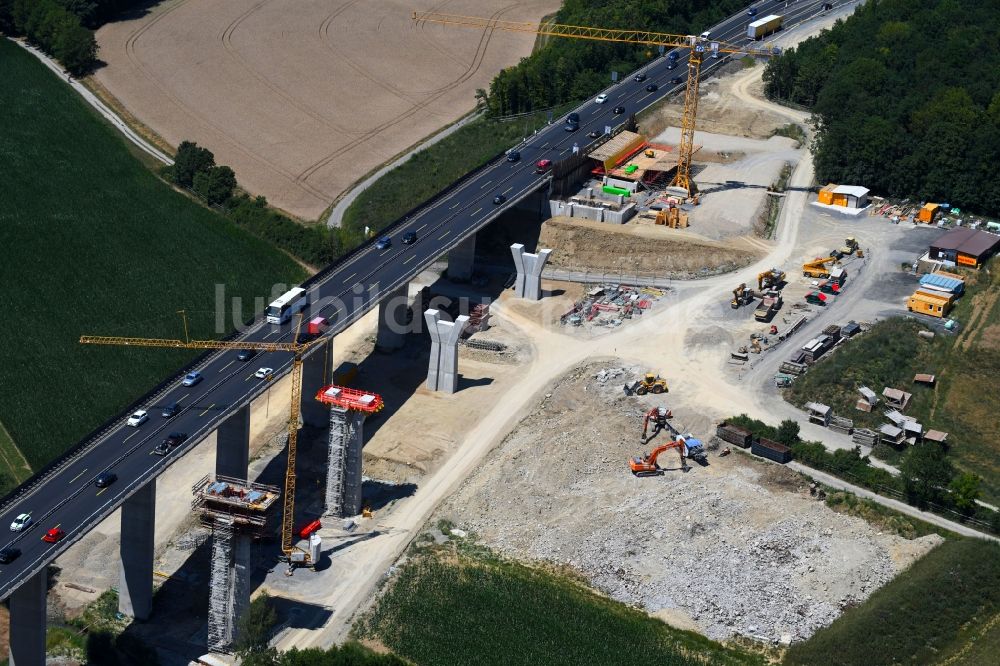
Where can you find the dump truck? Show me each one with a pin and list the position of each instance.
(768, 307)
(818, 267)
(764, 26)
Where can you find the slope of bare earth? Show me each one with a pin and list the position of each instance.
(734, 547)
(302, 97)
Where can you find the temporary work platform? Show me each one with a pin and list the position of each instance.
(240, 502)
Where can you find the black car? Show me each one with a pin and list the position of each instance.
(513, 156)
(175, 439)
(171, 410)
(499, 199)
(572, 122)
(676, 80)
(652, 87)
(640, 77)
(245, 355)
(409, 238)
(619, 110)
(105, 479)
(9, 554)
(752, 11)
(161, 449)
(593, 134)
(672, 64)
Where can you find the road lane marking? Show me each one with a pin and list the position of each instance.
(227, 365)
(420, 228)
(477, 212)
(350, 276)
(544, 144)
(206, 409)
(486, 183)
(508, 190)
(130, 436)
(100, 492)
(183, 396)
(457, 203)
(385, 253)
(77, 476)
(270, 334)
(441, 237)
(565, 151)
(412, 257)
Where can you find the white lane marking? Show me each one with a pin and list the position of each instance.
(441, 237)
(412, 257)
(486, 183)
(227, 365)
(477, 212)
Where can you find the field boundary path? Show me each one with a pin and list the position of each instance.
(105, 111)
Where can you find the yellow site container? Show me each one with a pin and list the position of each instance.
(935, 304)
(826, 195)
(928, 212)
(839, 200)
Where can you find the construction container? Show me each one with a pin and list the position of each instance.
(764, 26)
(833, 332)
(850, 329)
(741, 437)
(933, 303)
(793, 368)
(766, 448)
(928, 214)
(826, 194)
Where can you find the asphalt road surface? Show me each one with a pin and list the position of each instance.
(67, 497)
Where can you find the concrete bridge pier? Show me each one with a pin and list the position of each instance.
(135, 587)
(529, 272)
(28, 621)
(316, 372)
(442, 369)
(462, 260)
(232, 445)
(343, 471)
(392, 324)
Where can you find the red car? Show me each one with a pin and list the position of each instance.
(53, 535)
(543, 166)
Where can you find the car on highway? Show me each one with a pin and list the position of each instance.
(543, 166)
(752, 11)
(175, 439)
(676, 80)
(171, 410)
(138, 418)
(572, 122)
(53, 535)
(601, 99)
(409, 238)
(246, 355)
(652, 87)
(161, 449)
(192, 378)
(619, 109)
(383, 243)
(640, 77)
(21, 523)
(105, 479)
(499, 199)
(593, 134)
(513, 156)
(9, 554)
(263, 372)
(672, 64)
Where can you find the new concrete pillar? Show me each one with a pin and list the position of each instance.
(442, 370)
(316, 372)
(229, 585)
(352, 466)
(232, 445)
(343, 475)
(28, 621)
(462, 260)
(392, 324)
(529, 271)
(135, 587)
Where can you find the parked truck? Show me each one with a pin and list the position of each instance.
(768, 307)
(764, 26)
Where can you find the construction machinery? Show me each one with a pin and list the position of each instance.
(818, 268)
(696, 46)
(769, 306)
(292, 553)
(741, 296)
(772, 279)
(659, 416)
(849, 247)
(686, 446)
(651, 383)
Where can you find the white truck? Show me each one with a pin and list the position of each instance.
(764, 26)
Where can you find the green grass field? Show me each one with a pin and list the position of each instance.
(94, 243)
(453, 609)
(945, 609)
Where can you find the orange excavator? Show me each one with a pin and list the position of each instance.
(659, 416)
(687, 447)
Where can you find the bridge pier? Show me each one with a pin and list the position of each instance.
(442, 369)
(316, 372)
(232, 445)
(392, 324)
(529, 272)
(28, 621)
(462, 260)
(135, 587)
(343, 475)
(229, 585)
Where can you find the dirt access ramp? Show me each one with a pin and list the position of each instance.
(302, 98)
(734, 548)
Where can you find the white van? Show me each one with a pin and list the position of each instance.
(705, 36)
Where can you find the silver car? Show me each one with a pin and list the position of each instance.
(21, 523)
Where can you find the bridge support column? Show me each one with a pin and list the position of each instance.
(316, 372)
(462, 259)
(28, 621)
(229, 585)
(343, 476)
(529, 272)
(135, 587)
(392, 324)
(442, 370)
(232, 445)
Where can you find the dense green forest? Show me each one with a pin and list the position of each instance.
(565, 70)
(907, 97)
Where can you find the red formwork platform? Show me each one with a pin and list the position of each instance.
(348, 398)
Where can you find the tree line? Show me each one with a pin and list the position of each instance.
(907, 98)
(565, 70)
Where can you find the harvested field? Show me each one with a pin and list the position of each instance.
(303, 98)
(587, 245)
(737, 547)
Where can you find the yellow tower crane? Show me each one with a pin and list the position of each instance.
(696, 47)
(296, 348)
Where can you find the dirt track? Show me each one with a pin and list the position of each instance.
(302, 98)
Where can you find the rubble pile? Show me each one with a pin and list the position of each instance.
(610, 305)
